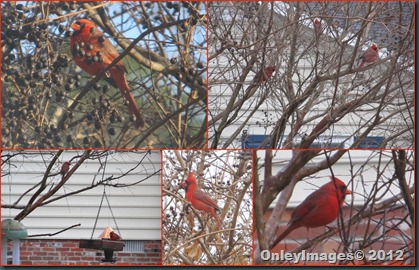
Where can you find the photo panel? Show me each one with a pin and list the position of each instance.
(121, 74)
(334, 207)
(207, 207)
(311, 75)
(81, 208)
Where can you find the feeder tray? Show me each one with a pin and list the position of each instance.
(108, 246)
(103, 244)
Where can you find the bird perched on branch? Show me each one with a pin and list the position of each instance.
(369, 56)
(268, 72)
(64, 169)
(199, 200)
(93, 52)
(319, 209)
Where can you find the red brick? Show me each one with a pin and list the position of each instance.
(40, 253)
(51, 263)
(151, 254)
(70, 244)
(49, 258)
(138, 254)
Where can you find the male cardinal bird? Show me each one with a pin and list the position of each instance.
(319, 209)
(93, 52)
(269, 71)
(115, 237)
(369, 56)
(199, 199)
(64, 169)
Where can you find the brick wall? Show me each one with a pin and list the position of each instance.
(67, 252)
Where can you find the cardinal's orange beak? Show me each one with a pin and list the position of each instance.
(76, 27)
(183, 184)
(347, 192)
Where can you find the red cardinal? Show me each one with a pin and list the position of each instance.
(199, 199)
(269, 71)
(93, 52)
(64, 169)
(369, 56)
(115, 237)
(319, 209)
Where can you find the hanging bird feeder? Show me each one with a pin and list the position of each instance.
(104, 243)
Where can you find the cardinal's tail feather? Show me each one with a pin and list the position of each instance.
(119, 78)
(360, 66)
(217, 219)
(281, 236)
